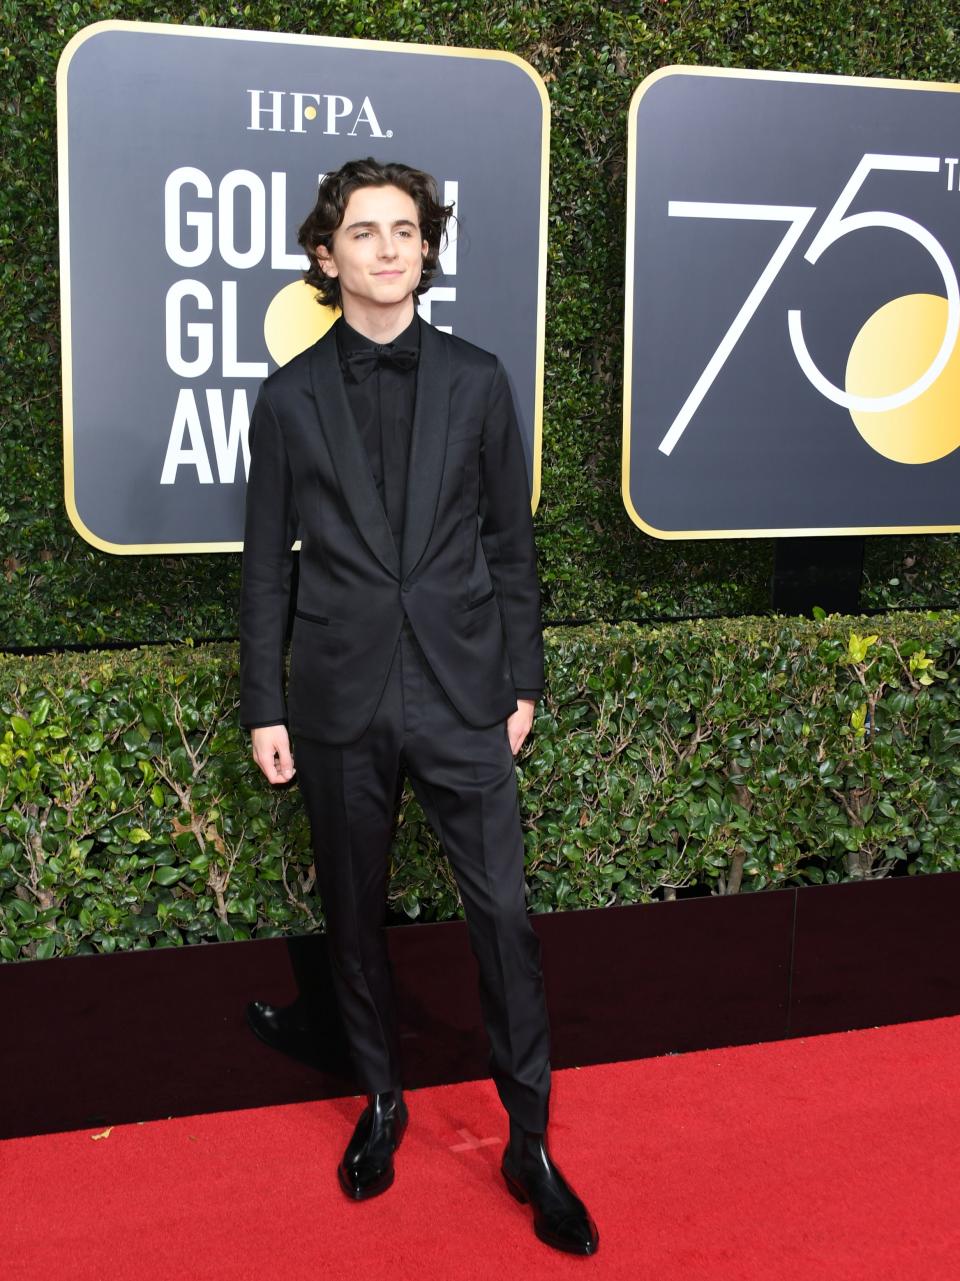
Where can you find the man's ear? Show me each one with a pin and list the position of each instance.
(327, 265)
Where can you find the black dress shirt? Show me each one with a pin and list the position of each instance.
(382, 398)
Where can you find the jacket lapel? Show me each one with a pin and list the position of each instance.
(428, 444)
(348, 454)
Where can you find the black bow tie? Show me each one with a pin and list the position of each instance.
(363, 362)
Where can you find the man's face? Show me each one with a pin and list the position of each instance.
(377, 250)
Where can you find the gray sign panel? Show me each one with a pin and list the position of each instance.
(188, 158)
(792, 307)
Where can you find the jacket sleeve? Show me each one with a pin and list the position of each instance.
(506, 532)
(270, 527)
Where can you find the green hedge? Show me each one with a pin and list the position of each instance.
(56, 589)
(717, 757)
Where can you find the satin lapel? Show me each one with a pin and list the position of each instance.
(348, 453)
(428, 445)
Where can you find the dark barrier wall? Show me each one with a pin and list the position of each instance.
(56, 590)
(624, 983)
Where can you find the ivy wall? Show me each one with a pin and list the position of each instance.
(55, 589)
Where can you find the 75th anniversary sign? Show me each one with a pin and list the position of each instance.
(188, 158)
(792, 308)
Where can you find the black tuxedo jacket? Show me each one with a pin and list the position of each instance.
(466, 579)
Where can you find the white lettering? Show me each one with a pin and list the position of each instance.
(232, 367)
(333, 115)
(256, 111)
(437, 293)
(367, 116)
(186, 420)
(298, 100)
(280, 260)
(202, 221)
(229, 252)
(202, 331)
(225, 442)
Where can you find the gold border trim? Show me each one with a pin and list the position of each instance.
(273, 37)
(661, 73)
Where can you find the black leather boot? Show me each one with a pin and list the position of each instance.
(367, 1166)
(560, 1218)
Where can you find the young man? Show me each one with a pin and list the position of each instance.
(416, 648)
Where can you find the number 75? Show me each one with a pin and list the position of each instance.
(836, 224)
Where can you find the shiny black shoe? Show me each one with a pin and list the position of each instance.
(282, 1027)
(367, 1166)
(560, 1219)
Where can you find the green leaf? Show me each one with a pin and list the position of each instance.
(169, 875)
(47, 948)
(151, 716)
(40, 711)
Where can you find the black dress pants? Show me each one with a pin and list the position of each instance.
(465, 780)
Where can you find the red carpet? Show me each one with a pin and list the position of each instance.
(834, 1157)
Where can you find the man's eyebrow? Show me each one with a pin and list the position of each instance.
(369, 222)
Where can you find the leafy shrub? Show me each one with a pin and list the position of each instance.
(716, 757)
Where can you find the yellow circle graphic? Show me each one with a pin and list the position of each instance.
(892, 350)
(295, 320)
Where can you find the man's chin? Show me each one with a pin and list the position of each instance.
(391, 297)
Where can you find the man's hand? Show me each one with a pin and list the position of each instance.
(519, 723)
(271, 751)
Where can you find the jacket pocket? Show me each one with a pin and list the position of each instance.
(311, 618)
(482, 600)
(472, 429)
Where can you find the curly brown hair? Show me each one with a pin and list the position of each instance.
(332, 197)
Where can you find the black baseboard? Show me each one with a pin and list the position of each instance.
(95, 1040)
